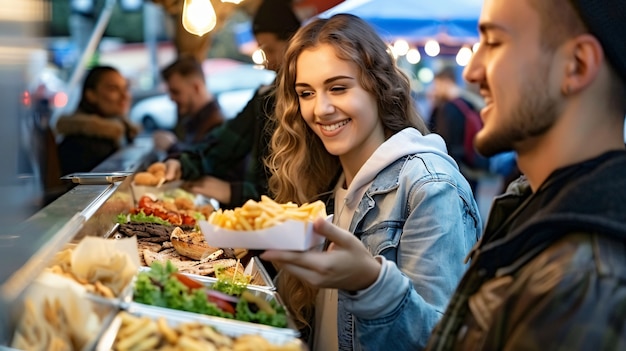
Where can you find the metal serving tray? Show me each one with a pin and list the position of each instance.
(267, 295)
(227, 327)
(94, 178)
(254, 268)
(102, 308)
(258, 272)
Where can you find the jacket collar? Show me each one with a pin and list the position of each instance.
(587, 197)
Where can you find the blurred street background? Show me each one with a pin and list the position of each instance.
(47, 46)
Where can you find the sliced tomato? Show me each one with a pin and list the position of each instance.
(189, 282)
(174, 218)
(145, 201)
(223, 305)
(223, 301)
(188, 220)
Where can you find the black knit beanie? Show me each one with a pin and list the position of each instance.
(606, 20)
(276, 16)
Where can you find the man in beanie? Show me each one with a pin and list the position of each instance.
(244, 138)
(550, 271)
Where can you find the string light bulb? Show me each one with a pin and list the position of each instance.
(413, 56)
(432, 48)
(464, 56)
(199, 17)
(401, 47)
(258, 57)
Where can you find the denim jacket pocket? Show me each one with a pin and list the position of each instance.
(383, 239)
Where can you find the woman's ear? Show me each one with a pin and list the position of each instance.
(583, 63)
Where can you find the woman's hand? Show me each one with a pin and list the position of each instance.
(347, 265)
(173, 170)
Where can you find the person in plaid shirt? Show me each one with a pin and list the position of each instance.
(215, 165)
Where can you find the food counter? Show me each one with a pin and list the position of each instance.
(114, 265)
(86, 210)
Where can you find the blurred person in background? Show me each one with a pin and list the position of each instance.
(244, 138)
(100, 126)
(455, 118)
(404, 217)
(198, 110)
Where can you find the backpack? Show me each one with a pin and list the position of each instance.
(473, 124)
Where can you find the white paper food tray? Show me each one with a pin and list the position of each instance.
(290, 235)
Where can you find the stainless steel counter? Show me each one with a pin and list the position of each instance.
(86, 210)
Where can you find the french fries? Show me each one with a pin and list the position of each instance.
(143, 333)
(255, 215)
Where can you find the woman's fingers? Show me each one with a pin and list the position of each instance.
(333, 233)
(306, 259)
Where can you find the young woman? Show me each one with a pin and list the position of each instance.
(404, 216)
(100, 126)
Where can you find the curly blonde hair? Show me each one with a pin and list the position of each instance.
(301, 167)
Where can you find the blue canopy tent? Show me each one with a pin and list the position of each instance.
(452, 22)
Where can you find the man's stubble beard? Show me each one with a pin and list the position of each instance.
(536, 112)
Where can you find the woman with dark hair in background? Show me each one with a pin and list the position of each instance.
(99, 127)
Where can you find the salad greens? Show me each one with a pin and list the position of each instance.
(231, 285)
(161, 287)
(140, 217)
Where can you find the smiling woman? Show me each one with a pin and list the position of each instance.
(348, 133)
(99, 127)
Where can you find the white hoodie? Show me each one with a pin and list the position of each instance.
(408, 141)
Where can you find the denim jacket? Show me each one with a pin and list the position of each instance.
(420, 218)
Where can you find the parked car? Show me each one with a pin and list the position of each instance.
(231, 82)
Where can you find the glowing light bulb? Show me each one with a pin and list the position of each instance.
(432, 48)
(199, 16)
(475, 47)
(464, 56)
(425, 75)
(258, 57)
(401, 47)
(413, 56)
(233, 1)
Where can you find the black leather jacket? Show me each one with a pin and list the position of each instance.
(550, 271)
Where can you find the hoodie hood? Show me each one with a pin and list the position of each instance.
(408, 141)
